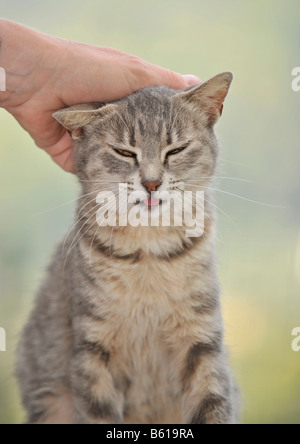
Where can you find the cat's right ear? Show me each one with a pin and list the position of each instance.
(209, 96)
(75, 118)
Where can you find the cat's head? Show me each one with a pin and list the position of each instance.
(156, 139)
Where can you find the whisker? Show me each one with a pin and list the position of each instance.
(109, 206)
(194, 206)
(96, 232)
(77, 222)
(73, 243)
(207, 217)
(112, 230)
(220, 177)
(236, 195)
(234, 162)
(102, 181)
(74, 200)
(90, 249)
(79, 211)
(77, 242)
(65, 203)
(225, 214)
(245, 198)
(191, 200)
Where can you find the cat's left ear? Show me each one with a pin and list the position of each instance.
(75, 118)
(210, 96)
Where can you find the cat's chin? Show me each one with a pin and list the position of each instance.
(147, 242)
(150, 203)
(149, 239)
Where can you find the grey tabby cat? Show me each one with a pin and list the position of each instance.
(127, 327)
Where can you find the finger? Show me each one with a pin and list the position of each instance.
(191, 79)
(179, 81)
(62, 152)
(162, 76)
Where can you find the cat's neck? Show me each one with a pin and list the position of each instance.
(141, 243)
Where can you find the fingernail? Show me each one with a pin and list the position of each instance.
(191, 79)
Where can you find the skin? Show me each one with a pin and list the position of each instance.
(45, 74)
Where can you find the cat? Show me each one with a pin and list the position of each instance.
(127, 327)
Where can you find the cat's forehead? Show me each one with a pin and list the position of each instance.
(150, 103)
(152, 114)
(149, 120)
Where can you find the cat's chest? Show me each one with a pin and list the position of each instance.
(137, 315)
(146, 290)
(137, 299)
(140, 305)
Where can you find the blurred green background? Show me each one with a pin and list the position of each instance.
(259, 246)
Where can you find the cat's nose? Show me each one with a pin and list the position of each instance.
(151, 186)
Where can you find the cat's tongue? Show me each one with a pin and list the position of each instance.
(151, 202)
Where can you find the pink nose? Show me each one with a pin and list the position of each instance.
(151, 186)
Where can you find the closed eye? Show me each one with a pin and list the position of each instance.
(177, 151)
(125, 153)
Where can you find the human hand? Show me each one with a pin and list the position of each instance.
(45, 74)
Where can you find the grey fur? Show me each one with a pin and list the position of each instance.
(127, 325)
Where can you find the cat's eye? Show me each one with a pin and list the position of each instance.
(125, 153)
(176, 151)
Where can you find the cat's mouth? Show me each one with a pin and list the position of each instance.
(150, 202)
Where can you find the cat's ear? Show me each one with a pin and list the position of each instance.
(210, 96)
(75, 118)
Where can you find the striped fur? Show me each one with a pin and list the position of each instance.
(127, 326)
